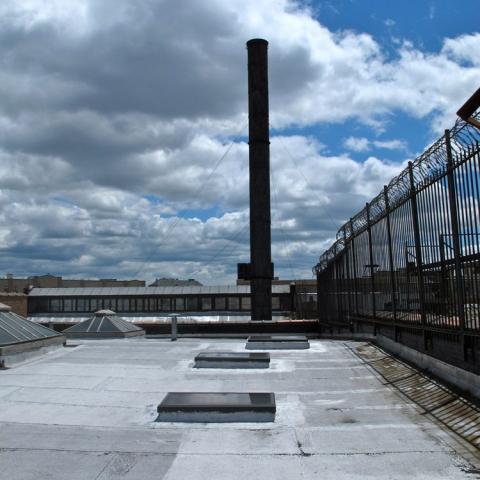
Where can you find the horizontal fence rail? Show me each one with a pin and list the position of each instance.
(408, 265)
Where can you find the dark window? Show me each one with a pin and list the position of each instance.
(81, 305)
(220, 303)
(276, 302)
(152, 304)
(167, 304)
(55, 304)
(94, 304)
(192, 304)
(285, 302)
(179, 303)
(130, 304)
(233, 303)
(109, 303)
(122, 304)
(68, 305)
(137, 304)
(246, 304)
(206, 303)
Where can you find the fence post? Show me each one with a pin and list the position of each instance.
(354, 270)
(354, 274)
(418, 252)
(318, 297)
(390, 259)
(370, 253)
(337, 294)
(347, 282)
(443, 278)
(456, 242)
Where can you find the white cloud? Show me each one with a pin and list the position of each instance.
(362, 144)
(390, 144)
(463, 48)
(114, 114)
(357, 144)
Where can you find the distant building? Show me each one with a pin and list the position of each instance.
(175, 282)
(303, 294)
(229, 299)
(24, 285)
(17, 301)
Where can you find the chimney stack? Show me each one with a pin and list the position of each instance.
(260, 270)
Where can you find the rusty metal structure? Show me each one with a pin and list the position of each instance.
(260, 269)
(408, 265)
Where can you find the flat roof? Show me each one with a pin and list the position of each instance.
(89, 412)
(181, 290)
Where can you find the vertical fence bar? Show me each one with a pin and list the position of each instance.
(339, 315)
(319, 299)
(418, 252)
(370, 254)
(443, 278)
(460, 297)
(348, 280)
(390, 258)
(354, 272)
(431, 212)
(354, 262)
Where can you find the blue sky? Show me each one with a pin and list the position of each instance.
(120, 153)
(424, 23)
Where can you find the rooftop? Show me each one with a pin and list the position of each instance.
(88, 413)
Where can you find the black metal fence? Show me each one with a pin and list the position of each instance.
(408, 265)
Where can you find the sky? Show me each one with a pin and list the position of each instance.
(123, 148)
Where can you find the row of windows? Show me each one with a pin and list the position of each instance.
(149, 304)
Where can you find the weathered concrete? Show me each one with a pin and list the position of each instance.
(88, 413)
(466, 381)
(11, 355)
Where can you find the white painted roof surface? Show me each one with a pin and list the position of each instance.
(88, 413)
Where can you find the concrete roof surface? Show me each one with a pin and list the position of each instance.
(87, 413)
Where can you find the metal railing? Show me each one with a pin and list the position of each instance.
(408, 265)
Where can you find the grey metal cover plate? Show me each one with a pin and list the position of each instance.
(277, 338)
(217, 402)
(233, 356)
